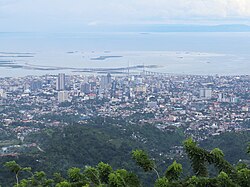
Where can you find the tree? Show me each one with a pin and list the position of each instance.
(143, 160)
(104, 171)
(92, 175)
(123, 178)
(162, 182)
(37, 179)
(103, 175)
(229, 176)
(174, 171)
(197, 157)
(64, 184)
(16, 168)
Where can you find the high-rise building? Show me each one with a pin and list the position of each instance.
(63, 96)
(221, 97)
(60, 82)
(86, 88)
(92, 86)
(113, 89)
(109, 78)
(105, 82)
(3, 94)
(206, 93)
(36, 85)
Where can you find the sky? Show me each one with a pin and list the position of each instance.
(69, 15)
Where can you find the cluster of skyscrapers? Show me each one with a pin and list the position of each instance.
(206, 93)
(60, 87)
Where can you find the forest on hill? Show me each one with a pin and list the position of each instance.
(84, 145)
(103, 175)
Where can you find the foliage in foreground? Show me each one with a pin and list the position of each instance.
(103, 175)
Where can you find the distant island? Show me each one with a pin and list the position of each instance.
(161, 28)
(105, 57)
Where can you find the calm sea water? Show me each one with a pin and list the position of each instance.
(180, 53)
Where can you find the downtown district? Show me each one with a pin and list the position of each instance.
(201, 105)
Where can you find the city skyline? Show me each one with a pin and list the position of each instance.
(163, 85)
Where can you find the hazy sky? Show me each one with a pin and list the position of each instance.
(45, 15)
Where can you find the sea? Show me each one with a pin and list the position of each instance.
(191, 53)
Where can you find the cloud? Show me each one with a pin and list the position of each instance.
(94, 12)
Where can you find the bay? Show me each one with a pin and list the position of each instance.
(175, 53)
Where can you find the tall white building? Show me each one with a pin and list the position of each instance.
(3, 94)
(60, 82)
(63, 96)
(206, 93)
